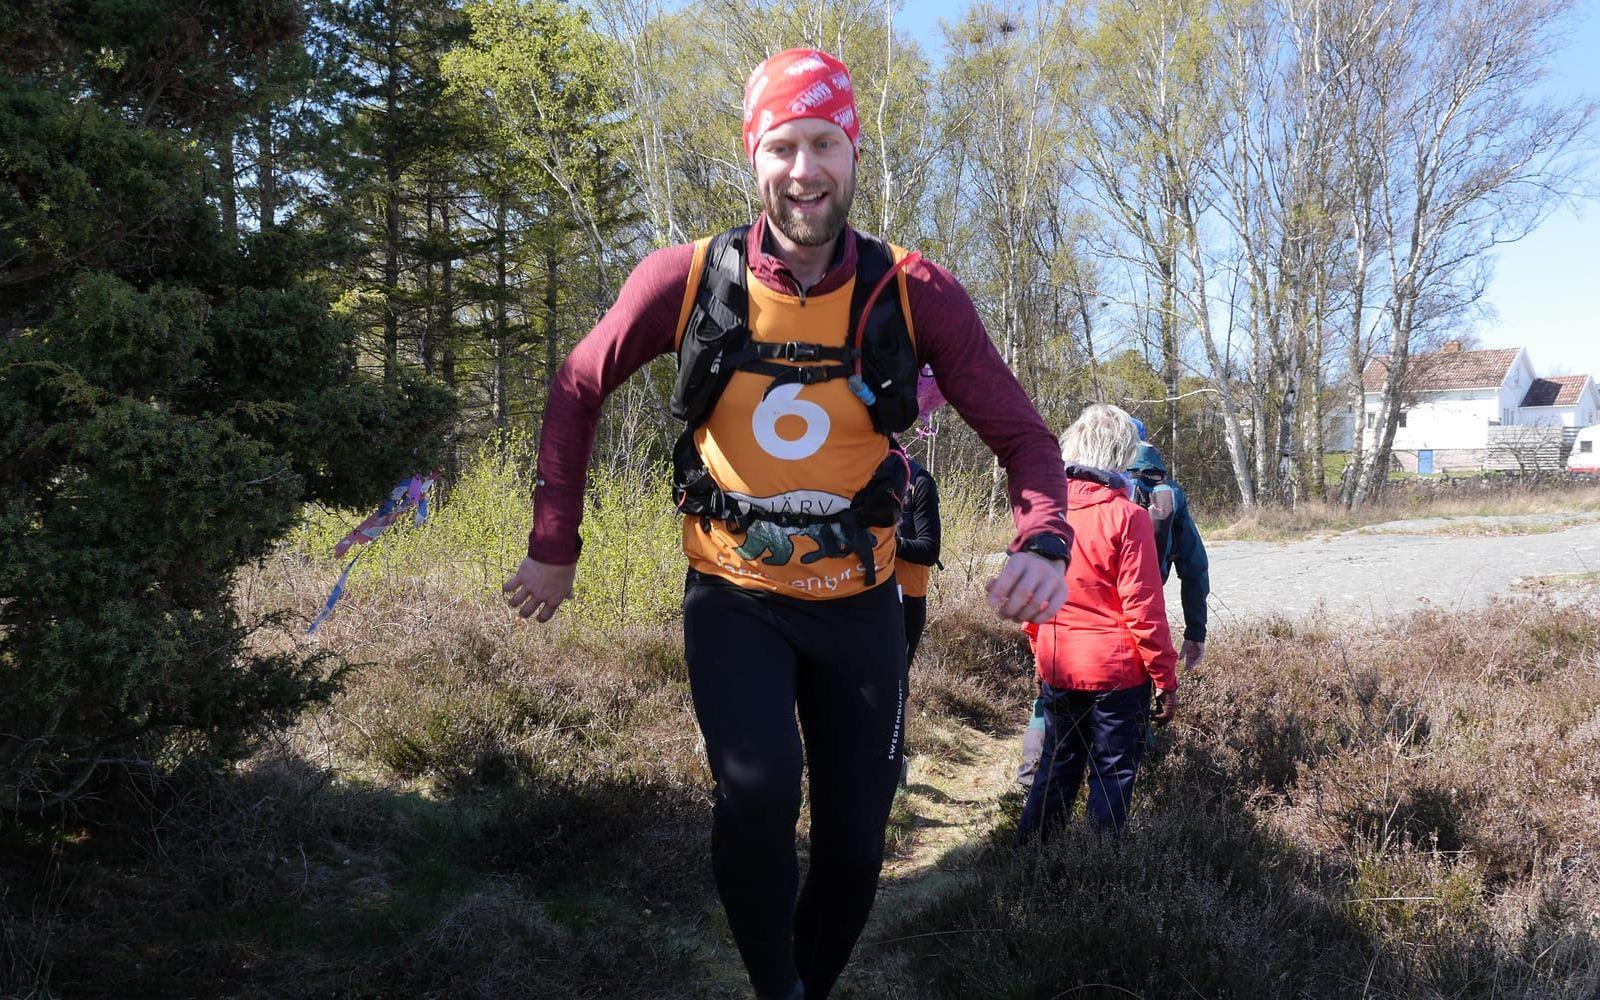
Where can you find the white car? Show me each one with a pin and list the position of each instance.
(1585, 455)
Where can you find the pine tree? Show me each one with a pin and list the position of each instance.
(169, 397)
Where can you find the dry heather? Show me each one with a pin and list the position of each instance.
(491, 809)
(1495, 500)
(1411, 811)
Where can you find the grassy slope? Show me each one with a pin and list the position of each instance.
(497, 810)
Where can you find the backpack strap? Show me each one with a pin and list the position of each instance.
(886, 356)
(715, 341)
(1162, 506)
(723, 297)
(716, 328)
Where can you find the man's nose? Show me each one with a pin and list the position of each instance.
(806, 165)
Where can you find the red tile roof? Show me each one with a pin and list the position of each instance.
(1446, 370)
(1556, 390)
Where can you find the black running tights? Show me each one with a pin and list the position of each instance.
(754, 658)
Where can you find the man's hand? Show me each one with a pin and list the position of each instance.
(1030, 588)
(539, 587)
(1192, 653)
(1164, 708)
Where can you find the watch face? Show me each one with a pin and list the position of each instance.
(1049, 546)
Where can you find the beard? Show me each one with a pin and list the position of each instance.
(808, 231)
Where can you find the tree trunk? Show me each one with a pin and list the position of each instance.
(228, 187)
(1375, 473)
(391, 216)
(1315, 435)
(427, 336)
(502, 333)
(1167, 263)
(552, 330)
(266, 174)
(1219, 370)
(1355, 392)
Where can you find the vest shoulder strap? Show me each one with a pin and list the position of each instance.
(722, 292)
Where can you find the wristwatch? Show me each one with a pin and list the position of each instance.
(1050, 546)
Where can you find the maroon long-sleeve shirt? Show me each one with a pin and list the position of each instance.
(643, 324)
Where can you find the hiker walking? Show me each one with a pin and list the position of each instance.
(916, 553)
(1107, 654)
(798, 342)
(1178, 544)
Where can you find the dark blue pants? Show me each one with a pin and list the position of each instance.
(1098, 732)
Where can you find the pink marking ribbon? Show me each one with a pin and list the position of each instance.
(407, 494)
(929, 399)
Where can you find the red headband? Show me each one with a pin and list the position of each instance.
(798, 83)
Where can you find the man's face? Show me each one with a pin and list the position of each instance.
(806, 173)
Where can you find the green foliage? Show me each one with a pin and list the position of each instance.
(544, 74)
(166, 411)
(629, 575)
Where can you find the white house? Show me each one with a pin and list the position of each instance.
(1451, 399)
(1560, 401)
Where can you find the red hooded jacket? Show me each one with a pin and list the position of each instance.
(1112, 632)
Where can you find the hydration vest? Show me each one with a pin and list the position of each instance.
(878, 359)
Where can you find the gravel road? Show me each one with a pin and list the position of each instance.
(1396, 566)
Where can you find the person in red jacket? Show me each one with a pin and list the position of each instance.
(1100, 655)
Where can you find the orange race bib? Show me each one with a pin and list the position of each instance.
(797, 449)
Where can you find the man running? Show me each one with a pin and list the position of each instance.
(793, 374)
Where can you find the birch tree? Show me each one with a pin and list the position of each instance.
(1476, 160)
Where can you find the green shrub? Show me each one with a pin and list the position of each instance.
(167, 403)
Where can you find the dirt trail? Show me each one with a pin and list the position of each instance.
(1395, 567)
(949, 806)
(952, 803)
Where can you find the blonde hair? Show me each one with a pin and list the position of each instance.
(1103, 437)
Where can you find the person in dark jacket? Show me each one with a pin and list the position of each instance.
(1177, 544)
(917, 552)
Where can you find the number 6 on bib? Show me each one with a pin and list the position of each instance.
(782, 402)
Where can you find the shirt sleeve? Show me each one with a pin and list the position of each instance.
(638, 328)
(1144, 605)
(974, 378)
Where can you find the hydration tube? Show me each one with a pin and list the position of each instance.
(858, 385)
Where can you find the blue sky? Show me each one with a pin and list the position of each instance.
(1545, 293)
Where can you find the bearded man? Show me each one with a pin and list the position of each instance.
(799, 341)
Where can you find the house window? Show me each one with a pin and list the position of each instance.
(1402, 418)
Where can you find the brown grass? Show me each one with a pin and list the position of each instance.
(494, 809)
(1409, 810)
(1312, 518)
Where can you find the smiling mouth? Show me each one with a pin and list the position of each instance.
(812, 198)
